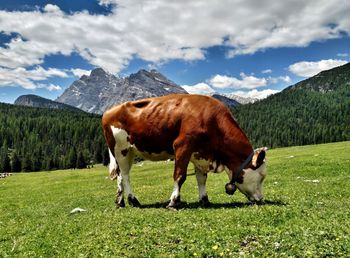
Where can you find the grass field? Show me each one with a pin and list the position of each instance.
(306, 214)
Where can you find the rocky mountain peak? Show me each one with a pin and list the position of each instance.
(231, 103)
(239, 99)
(101, 90)
(153, 77)
(84, 77)
(98, 72)
(145, 74)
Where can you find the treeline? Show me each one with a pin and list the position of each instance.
(35, 139)
(297, 116)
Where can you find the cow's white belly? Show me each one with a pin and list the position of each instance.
(206, 165)
(123, 148)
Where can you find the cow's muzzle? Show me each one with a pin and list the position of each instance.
(230, 188)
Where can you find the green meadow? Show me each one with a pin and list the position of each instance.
(306, 212)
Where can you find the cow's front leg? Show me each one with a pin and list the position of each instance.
(182, 158)
(201, 181)
(175, 196)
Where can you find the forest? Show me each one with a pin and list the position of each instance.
(35, 139)
(297, 116)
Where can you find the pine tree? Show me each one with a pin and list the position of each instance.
(27, 164)
(49, 164)
(98, 154)
(72, 158)
(7, 164)
(16, 163)
(81, 163)
(105, 156)
(36, 162)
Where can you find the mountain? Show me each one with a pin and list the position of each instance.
(101, 90)
(315, 110)
(231, 103)
(40, 102)
(239, 99)
(325, 81)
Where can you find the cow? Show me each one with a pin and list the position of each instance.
(186, 128)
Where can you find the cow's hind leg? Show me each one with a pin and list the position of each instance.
(201, 181)
(132, 200)
(114, 172)
(182, 158)
(124, 158)
(119, 201)
(125, 163)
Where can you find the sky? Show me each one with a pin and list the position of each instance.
(251, 48)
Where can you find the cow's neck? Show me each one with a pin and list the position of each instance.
(238, 155)
(237, 147)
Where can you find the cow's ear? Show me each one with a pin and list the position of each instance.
(259, 157)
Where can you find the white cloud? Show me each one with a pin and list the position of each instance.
(343, 54)
(147, 29)
(284, 79)
(267, 71)
(30, 79)
(291, 24)
(255, 93)
(52, 87)
(200, 88)
(80, 72)
(53, 9)
(309, 69)
(106, 2)
(246, 82)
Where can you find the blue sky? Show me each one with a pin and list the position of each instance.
(249, 48)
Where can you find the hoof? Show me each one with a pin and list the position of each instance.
(204, 202)
(171, 208)
(261, 202)
(230, 188)
(133, 201)
(120, 204)
(174, 204)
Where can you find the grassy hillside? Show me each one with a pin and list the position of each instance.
(306, 212)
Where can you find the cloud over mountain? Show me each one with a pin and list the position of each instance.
(199, 88)
(309, 69)
(246, 82)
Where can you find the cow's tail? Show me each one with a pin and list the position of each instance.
(113, 164)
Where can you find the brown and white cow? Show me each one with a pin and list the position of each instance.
(187, 128)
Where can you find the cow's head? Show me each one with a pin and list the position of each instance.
(251, 181)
